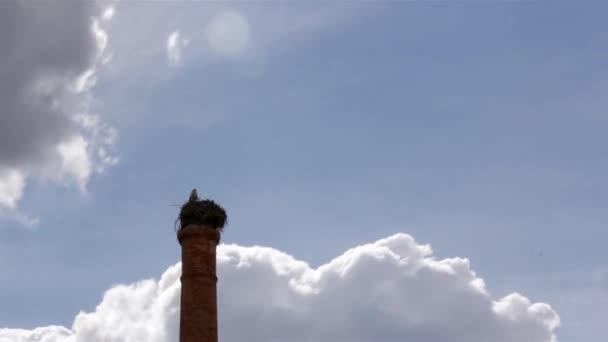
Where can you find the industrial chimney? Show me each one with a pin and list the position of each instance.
(200, 226)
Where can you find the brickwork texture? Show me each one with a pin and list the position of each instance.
(198, 313)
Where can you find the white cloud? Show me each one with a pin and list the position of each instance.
(175, 46)
(12, 183)
(75, 159)
(46, 128)
(45, 334)
(390, 290)
(228, 33)
(108, 13)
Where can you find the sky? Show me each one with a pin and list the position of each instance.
(425, 167)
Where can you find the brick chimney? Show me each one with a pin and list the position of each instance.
(198, 314)
(201, 223)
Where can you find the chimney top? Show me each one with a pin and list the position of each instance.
(202, 213)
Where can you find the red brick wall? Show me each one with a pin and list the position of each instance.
(198, 314)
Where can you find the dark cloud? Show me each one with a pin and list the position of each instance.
(47, 49)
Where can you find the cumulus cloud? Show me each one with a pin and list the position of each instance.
(389, 290)
(175, 44)
(49, 59)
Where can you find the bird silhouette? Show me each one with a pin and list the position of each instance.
(193, 196)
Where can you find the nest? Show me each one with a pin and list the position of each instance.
(202, 213)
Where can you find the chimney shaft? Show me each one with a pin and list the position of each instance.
(198, 315)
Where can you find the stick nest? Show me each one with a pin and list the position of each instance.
(202, 213)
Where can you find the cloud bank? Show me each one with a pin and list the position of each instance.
(49, 59)
(389, 290)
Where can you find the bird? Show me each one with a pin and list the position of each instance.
(193, 196)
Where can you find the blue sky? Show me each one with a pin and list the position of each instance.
(478, 128)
